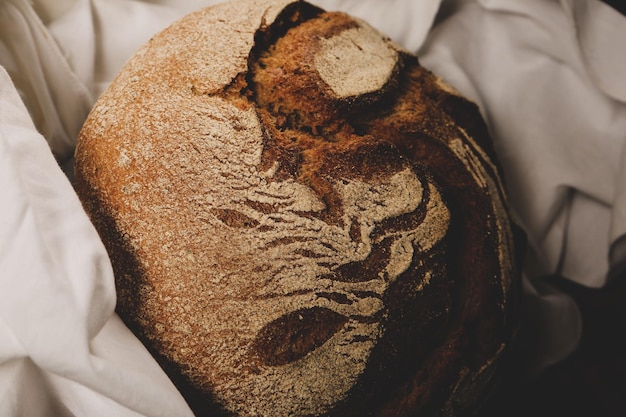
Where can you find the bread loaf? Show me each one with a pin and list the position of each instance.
(302, 220)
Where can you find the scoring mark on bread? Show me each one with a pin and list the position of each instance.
(295, 334)
(303, 258)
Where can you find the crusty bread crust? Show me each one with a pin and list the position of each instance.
(302, 220)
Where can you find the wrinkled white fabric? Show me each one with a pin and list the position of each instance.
(56, 99)
(547, 75)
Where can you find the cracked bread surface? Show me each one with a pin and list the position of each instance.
(302, 220)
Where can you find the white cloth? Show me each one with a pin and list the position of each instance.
(548, 76)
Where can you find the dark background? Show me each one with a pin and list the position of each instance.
(591, 382)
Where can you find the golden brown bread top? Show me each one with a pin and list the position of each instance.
(293, 237)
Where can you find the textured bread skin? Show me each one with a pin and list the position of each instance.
(301, 219)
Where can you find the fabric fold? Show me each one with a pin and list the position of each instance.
(57, 100)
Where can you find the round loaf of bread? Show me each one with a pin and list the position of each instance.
(302, 220)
